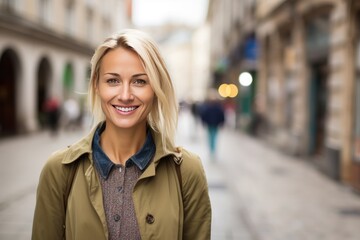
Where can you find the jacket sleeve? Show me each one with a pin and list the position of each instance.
(49, 215)
(197, 207)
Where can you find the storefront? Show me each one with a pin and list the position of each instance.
(247, 80)
(317, 52)
(355, 141)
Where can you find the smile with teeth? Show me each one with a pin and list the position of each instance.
(125, 109)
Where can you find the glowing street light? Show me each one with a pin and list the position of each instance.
(245, 79)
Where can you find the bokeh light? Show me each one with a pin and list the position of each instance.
(228, 90)
(245, 79)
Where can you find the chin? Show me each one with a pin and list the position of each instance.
(127, 124)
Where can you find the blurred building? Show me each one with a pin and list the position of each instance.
(45, 51)
(200, 63)
(175, 43)
(234, 50)
(186, 53)
(307, 81)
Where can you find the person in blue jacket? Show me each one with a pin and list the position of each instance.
(213, 117)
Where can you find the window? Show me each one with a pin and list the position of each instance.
(90, 25)
(90, 3)
(45, 12)
(70, 18)
(106, 27)
(12, 6)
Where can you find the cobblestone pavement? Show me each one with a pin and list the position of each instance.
(257, 193)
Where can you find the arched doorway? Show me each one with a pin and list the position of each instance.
(8, 78)
(44, 74)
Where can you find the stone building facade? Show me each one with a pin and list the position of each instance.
(309, 78)
(233, 51)
(307, 75)
(45, 50)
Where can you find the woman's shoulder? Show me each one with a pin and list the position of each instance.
(189, 156)
(54, 161)
(191, 164)
(59, 154)
(70, 153)
(57, 163)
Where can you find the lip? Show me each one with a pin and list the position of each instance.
(125, 110)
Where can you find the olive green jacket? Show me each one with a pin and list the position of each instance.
(164, 209)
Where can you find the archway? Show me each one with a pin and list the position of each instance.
(8, 79)
(44, 75)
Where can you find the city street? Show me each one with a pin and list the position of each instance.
(257, 193)
(22, 158)
(286, 72)
(269, 195)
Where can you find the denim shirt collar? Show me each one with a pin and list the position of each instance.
(141, 159)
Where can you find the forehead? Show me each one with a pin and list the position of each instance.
(121, 61)
(121, 56)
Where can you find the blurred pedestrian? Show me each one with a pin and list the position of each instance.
(52, 110)
(213, 117)
(126, 179)
(194, 107)
(230, 113)
(71, 116)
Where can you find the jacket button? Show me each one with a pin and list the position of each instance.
(116, 217)
(150, 219)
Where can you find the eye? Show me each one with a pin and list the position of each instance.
(112, 81)
(139, 82)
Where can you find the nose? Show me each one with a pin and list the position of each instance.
(125, 94)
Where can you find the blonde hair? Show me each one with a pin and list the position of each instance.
(164, 114)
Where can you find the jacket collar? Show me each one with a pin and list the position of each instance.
(84, 147)
(104, 165)
(161, 153)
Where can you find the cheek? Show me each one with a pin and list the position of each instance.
(145, 95)
(150, 99)
(106, 93)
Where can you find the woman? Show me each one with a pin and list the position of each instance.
(126, 180)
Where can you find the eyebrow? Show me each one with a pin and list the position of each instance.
(140, 74)
(135, 75)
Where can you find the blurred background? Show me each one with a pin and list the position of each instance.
(287, 73)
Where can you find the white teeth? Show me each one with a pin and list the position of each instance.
(125, 109)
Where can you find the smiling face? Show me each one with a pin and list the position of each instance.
(124, 89)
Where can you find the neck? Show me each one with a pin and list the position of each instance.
(120, 144)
